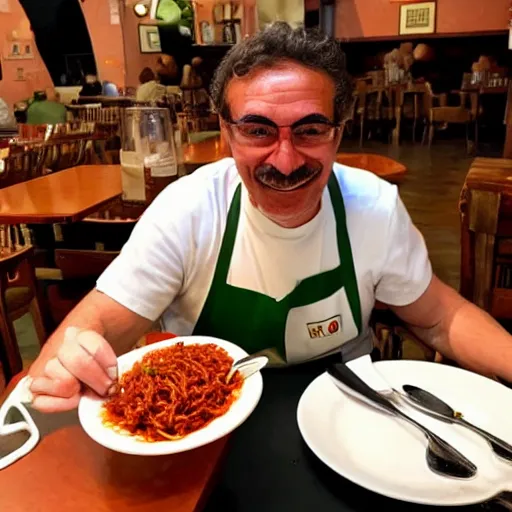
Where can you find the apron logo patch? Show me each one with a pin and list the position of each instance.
(325, 328)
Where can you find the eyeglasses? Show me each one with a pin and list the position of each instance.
(265, 132)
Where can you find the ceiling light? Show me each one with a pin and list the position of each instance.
(141, 10)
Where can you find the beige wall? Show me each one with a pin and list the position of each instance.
(357, 18)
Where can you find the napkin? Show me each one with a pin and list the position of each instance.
(19, 396)
(364, 368)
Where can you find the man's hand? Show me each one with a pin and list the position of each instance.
(78, 355)
(84, 359)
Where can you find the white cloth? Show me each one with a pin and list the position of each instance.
(167, 266)
(150, 91)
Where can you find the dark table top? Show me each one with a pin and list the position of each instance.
(269, 467)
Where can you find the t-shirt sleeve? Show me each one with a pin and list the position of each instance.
(406, 271)
(148, 273)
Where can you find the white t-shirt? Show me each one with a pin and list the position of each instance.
(166, 267)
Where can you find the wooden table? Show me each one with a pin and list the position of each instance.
(205, 152)
(383, 166)
(214, 149)
(64, 196)
(69, 471)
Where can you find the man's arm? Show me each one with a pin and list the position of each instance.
(459, 330)
(97, 312)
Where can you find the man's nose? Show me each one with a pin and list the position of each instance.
(285, 157)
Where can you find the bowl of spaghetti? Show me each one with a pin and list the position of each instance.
(173, 396)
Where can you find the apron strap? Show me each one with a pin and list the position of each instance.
(228, 240)
(345, 251)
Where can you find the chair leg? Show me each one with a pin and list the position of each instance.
(431, 129)
(8, 343)
(37, 318)
(361, 134)
(424, 136)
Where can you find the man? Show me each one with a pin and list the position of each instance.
(272, 250)
(45, 110)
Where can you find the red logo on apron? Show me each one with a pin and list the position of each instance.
(334, 326)
(324, 328)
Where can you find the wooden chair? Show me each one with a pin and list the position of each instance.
(369, 107)
(486, 236)
(393, 340)
(410, 105)
(18, 294)
(22, 166)
(439, 113)
(90, 246)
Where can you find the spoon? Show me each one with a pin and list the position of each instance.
(435, 407)
(442, 458)
(247, 366)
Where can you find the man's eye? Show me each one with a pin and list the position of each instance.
(311, 130)
(259, 131)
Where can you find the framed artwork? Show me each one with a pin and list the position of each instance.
(418, 18)
(149, 39)
(19, 50)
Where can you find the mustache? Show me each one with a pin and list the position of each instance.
(270, 176)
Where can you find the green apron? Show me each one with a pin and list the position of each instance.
(259, 323)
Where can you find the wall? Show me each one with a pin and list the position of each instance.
(15, 23)
(135, 60)
(357, 18)
(107, 41)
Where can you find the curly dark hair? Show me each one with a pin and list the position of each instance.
(278, 43)
(146, 75)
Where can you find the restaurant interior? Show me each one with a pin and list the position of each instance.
(431, 113)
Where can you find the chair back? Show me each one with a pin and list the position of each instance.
(15, 250)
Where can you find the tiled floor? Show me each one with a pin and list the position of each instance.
(430, 192)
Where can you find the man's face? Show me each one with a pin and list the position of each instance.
(284, 169)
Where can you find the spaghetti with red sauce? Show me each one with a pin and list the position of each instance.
(173, 392)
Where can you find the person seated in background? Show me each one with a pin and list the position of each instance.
(168, 70)
(195, 97)
(150, 89)
(44, 110)
(91, 87)
(110, 89)
(7, 119)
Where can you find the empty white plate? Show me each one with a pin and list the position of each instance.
(89, 409)
(387, 455)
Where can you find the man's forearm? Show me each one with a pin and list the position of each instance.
(97, 312)
(470, 336)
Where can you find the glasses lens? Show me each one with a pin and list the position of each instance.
(312, 134)
(255, 133)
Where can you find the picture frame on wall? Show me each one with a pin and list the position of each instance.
(417, 18)
(149, 39)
